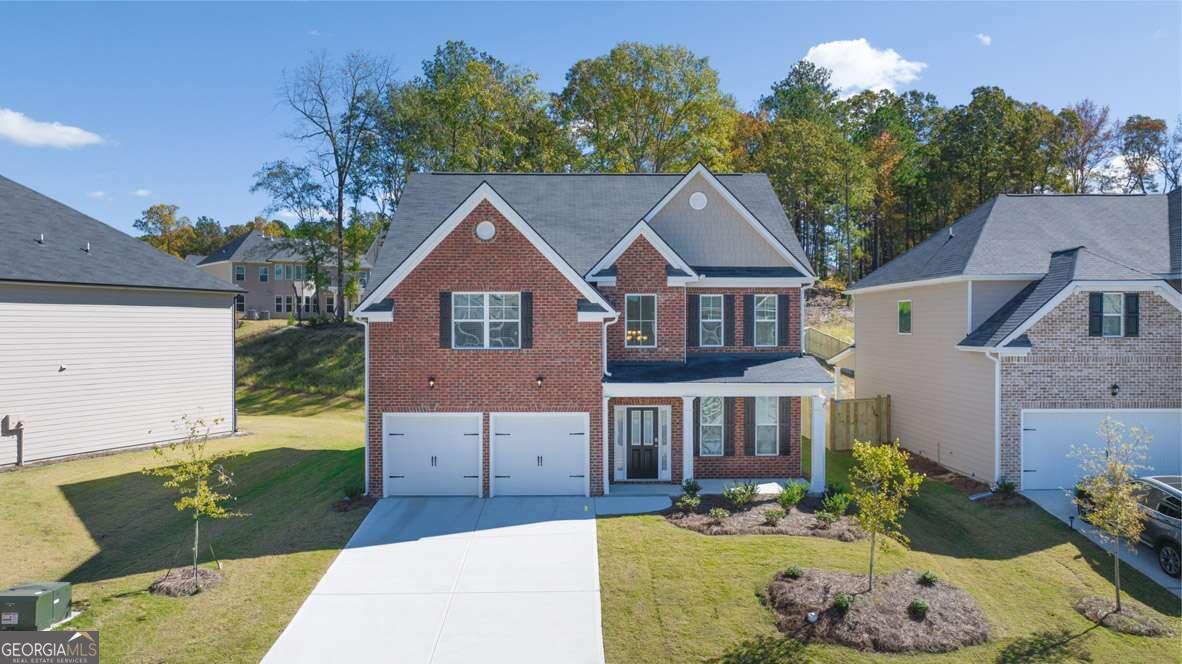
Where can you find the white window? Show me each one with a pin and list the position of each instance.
(288, 304)
(1114, 319)
(278, 305)
(904, 316)
(315, 304)
(765, 320)
(486, 320)
(279, 272)
(710, 320)
(329, 303)
(263, 273)
(364, 278)
(239, 273)
(640, 327)
(300, 272)
(710, 426)
(239, 303)
(307, 304)
(767, 426)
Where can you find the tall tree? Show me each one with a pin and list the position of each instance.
(1088, 139)
(164, 229)
(806, 94)
(1141, 140)
(647, 109)
(1169, 157)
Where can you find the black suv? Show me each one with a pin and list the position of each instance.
(1161, 501)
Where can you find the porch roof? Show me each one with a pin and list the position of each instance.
(714, 368)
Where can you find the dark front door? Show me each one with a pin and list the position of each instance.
(642, 443)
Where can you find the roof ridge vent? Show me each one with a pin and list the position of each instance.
(951, 233)
(87, 248)
(41, 238)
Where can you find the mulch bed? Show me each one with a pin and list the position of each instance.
(345, 504)
(1132, 619)
(1007, 499)
(181, 582)
(800, 520)
(878, 621)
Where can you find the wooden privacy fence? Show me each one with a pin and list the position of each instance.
(822, 346)
(858, 419)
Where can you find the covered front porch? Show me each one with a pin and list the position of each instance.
(716, 418)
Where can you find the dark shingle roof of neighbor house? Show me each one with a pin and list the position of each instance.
(1015, 234)
(114, 259)
(580, 215)
(254, 247)
(587, 306)
(723, 368)
(1066, 266)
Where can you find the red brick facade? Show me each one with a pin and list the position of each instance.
(789, 345)
(741, 465)
(1066, 368)
(640, 270)
(675, 431)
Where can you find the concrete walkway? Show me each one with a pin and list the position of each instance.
(442, 580)
(1144, 560)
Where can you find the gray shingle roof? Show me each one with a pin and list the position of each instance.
(1015, 234)
(580, 215)
(255, 247)
(1175, 215)
(115, 259)
(723, 368)
(713, 271)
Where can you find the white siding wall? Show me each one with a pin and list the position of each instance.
(134, 362)
(988, 296)
(941, 398)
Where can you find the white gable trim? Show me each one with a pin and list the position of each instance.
(1159, 287)
(755, 223)
(641, 229)
(484, 192)
(936, 281)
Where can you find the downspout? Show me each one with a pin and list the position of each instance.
(615, 319)
(996, 357)
(604, 422)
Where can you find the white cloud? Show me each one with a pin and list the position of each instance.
(142, 193)
(313, 33)
(100, 194)
(23, 130)
(857, 66)
(985, 39)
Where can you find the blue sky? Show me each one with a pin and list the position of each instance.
(178, 103)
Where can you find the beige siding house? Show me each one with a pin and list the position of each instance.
(1005, 339)
(105, 343)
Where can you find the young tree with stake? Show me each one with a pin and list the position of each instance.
(881, 482)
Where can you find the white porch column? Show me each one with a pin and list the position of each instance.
(687, 438)
(817, 483)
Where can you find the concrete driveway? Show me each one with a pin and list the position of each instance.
(443, 580)
(1144, 560)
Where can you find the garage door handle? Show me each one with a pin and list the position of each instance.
(396, 477)
(471, 477)
(576, 476)
(395, 434)
(501, 434)
(502, 477)
(577, 433)
(1025, 429)
(1030, 470)
(471, 434)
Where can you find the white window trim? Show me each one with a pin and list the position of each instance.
(485, 320)
(1119, 316)
(264, 274)
(910, 318)
(721, 426)
(721, 319)
(240, 303)
(755, 320)
(626, 320)
(239, 270)
(278, 304)
(776, 426)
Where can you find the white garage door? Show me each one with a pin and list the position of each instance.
(539, 454)
(1048, 437)
(431, 454)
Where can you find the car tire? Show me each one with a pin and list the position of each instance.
(1169, 559)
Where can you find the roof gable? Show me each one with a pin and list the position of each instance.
(641, 229)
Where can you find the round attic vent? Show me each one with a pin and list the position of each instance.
(485, 230)
(697, 200)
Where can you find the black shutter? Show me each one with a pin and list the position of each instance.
(783, 320)
(527, 320)
(1132, 314)
(785, 408)
(1095, 314)
(692, 316)
(748, 320)
(728, 319)
(445, 320)
(749, 426)
(729, 409)
(697, 426)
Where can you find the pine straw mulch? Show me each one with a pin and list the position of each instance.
(181, 583)
(800, 520)
(1132, 619)
(878, 621)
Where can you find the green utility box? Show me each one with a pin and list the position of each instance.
(34, 605)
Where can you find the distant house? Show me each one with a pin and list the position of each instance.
(105, 342)
(1004, 339)
(274, 278)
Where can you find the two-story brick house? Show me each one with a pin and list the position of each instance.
(1006, 338)
(553, 334)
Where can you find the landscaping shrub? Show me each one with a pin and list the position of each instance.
(1006, 487)
(833, 488)
(687, 503)
(691, 487)
(826, 519)
(794, 572)
(918, 608)
(291, 319)
(354, 491)
(772, 517)
(928, 578)
(792, 494)
(837, 504)
(843, 601)
(740, 495)
(718, 514)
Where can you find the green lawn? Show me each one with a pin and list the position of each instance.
(672, 595)
(303, 364)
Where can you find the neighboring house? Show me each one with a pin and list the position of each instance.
(1004, 339)
(274, 277)
(105, 342)
(552, 334)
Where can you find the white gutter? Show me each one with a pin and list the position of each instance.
(615, 319)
